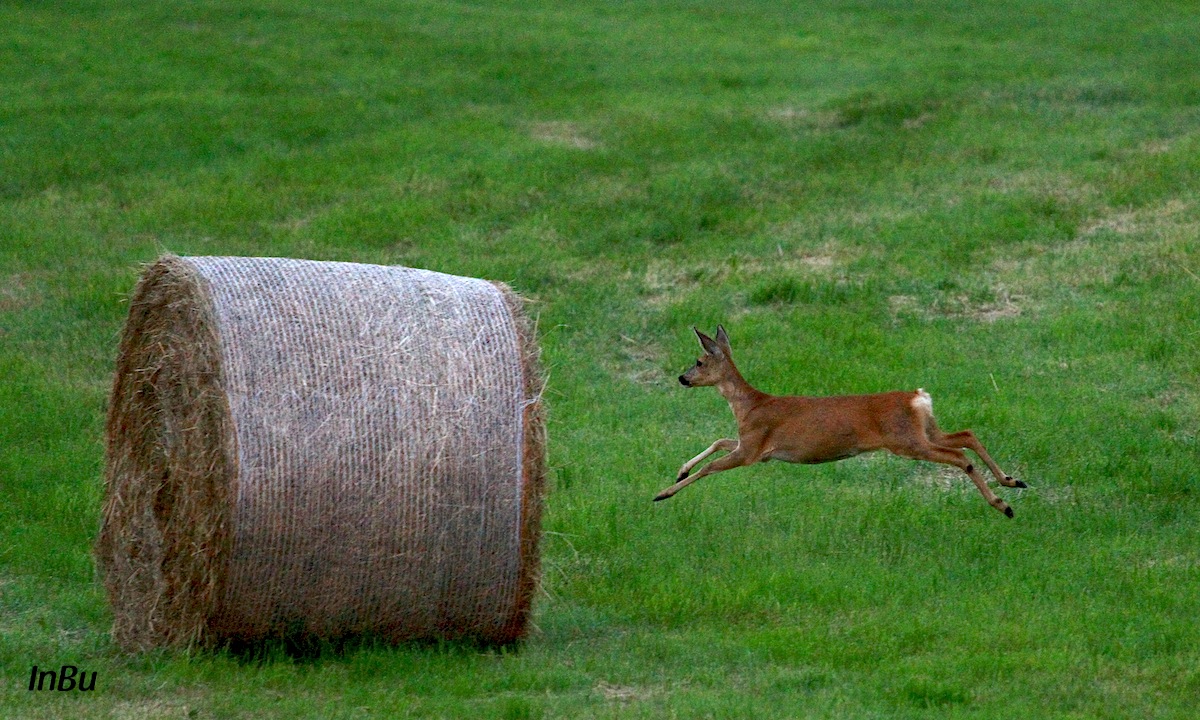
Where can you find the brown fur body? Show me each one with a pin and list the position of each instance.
(820, 429)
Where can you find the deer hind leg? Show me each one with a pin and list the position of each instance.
(724, 445)
(957, 458)
(737, 458)
(967, 439)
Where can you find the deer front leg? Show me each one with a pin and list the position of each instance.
(724, 445)
(737, 458)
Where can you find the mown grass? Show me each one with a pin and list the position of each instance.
(994, 201)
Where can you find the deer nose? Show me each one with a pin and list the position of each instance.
(684, 381)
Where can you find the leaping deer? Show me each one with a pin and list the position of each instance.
(823, 429)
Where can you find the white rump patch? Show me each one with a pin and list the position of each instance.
(923, 402)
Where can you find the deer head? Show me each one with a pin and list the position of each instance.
(714, 365)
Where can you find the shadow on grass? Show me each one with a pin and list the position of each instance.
(299, 647)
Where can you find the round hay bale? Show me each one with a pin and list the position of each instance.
(321, 449)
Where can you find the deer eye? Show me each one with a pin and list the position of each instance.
(699, 363)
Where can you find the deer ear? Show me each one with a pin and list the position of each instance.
(710, 346)
(723, 339)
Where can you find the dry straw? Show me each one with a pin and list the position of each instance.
(321, 449)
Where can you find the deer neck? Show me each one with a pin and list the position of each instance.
(740, 395)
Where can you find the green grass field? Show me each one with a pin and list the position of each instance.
(996, 201)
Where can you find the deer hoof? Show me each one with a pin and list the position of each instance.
(1008, 512)
(1018, 483)
(682, 474)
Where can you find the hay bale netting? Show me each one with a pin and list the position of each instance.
(321, 449)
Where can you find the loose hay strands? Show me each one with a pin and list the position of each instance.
(321, 449)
